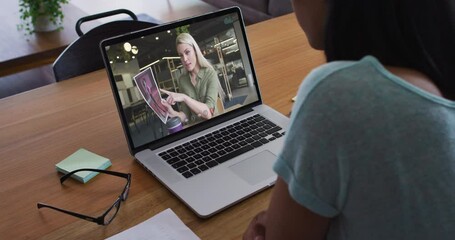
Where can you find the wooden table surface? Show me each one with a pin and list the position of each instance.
(41, 127)
(20, 51)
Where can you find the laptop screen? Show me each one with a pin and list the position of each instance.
(178, 77)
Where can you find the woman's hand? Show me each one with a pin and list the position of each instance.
(286, 219)
(170, 110)
(201, 109)
(256, 229)
(172, 113)
(174, 97)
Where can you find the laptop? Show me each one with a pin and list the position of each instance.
(208, 163)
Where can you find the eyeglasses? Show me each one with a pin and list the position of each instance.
(110, 214)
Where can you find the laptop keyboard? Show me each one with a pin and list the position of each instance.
(205, 152)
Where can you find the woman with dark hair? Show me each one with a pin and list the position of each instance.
(370, 153)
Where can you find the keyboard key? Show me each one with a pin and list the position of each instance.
(211, 164)
(214, 155)
(182, 169)
(274, 129)
(173, 160)
(277, 135)
(173, 153)
(242, 143)
(256, 144)
(267, 122)
(187, 174)
(195, 171)
(203, 167)
(235, 146)
(165, 156)
(229, 149)
(234, 154)
(179, 164)
(190, 159)
(183, 156)
(259, 117)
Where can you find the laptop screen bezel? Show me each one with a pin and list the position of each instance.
(199, 127)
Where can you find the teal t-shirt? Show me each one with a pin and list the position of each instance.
(373, 152)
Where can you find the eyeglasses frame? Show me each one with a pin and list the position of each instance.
(99, 220)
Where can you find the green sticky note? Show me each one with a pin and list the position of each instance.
(83, 158)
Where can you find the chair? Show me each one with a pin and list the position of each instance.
(220, 105)
(83, 55)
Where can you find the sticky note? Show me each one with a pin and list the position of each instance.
(83, 158)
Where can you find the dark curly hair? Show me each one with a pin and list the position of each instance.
(404, 33)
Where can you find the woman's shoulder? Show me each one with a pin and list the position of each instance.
(207, 73)
(208, 70)
(342, 76)
(362, 79)
(341, 69)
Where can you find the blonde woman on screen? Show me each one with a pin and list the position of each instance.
(199, 86)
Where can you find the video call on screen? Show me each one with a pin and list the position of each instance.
(221, 42)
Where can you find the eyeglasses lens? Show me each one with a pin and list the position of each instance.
(112, 212)
(125, 193)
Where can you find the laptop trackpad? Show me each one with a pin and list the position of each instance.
(256, 168)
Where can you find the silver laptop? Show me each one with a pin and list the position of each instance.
(210, 164)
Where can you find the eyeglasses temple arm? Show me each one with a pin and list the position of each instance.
(118, 174)
(88, 218)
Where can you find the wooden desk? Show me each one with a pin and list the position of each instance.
(41, 127)
(20, 52)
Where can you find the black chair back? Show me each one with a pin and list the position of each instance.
(83, 55)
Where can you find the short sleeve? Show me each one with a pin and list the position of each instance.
(310, 162)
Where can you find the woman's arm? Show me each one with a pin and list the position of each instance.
(173, 113)
(286, 219)
(201, 109)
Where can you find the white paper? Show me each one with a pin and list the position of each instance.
(164, 226)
